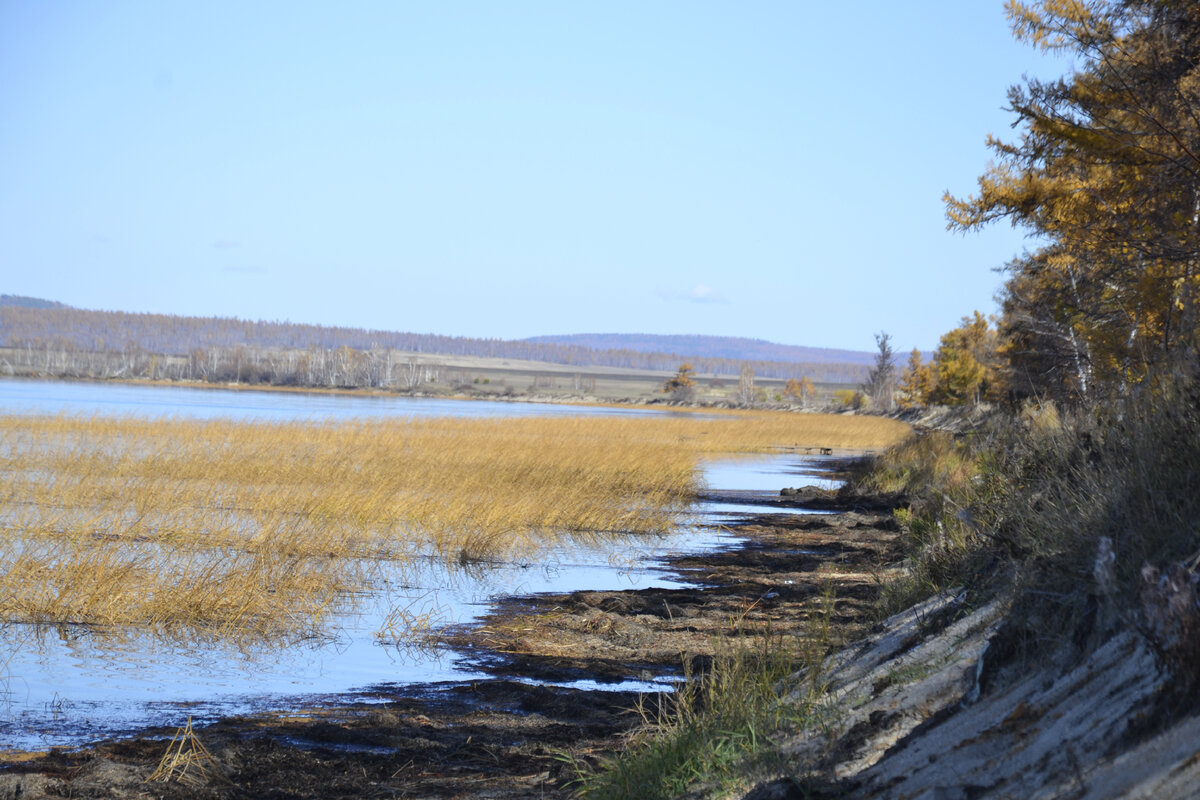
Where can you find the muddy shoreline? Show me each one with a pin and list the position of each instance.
(516, 734)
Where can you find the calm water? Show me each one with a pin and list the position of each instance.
(19, 396)
(66, 686)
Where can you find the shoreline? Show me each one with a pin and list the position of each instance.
(653, 402)
(519, 722)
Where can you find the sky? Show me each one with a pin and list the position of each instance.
(772, 170)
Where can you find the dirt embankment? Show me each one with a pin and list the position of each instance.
(513, 735)
(932, 704)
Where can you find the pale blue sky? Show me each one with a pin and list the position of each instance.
(508, 169)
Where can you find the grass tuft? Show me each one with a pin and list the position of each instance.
(720, 731)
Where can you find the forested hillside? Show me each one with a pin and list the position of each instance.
(721, 347)
(21, 301)
(70, 330)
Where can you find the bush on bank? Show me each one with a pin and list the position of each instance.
(1086, 517)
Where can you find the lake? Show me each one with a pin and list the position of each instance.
(21, 396)
(67, 685)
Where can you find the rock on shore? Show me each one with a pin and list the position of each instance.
(925, 710)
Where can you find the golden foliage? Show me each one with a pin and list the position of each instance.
(1104, 174)
(682, 382)
(916, 382)
(962, 366)
(801, 391)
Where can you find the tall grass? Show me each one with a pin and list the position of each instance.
(1090, 506)
(936, 480)
(1078, 514)
(720, 731)
(256, 528)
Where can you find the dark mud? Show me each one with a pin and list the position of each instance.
(488, 739)
(771, 585)
(512, 735)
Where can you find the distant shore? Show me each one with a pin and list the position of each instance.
(642, 399)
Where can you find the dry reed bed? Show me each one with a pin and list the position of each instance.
(259, 529)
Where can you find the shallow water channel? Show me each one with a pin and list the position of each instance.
(66, 686)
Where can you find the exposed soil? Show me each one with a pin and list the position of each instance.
(503, 737)
(770, 585)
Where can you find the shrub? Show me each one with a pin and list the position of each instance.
(1095, 505)
(936, 477)
(849, 398)
(1086, 517)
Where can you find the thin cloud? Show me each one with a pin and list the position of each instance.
(226, 244)
(702, 293)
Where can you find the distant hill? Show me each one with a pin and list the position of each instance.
(44, 325)
(729, 347)
(20, 301)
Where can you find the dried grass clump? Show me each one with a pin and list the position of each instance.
(186, 761)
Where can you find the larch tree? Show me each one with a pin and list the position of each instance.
(962, 365)
(1106, 172)
(916, 382)
(681, 385)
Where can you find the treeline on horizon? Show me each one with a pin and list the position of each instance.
(701, 346)
(85, 343)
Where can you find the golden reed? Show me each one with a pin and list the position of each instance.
(257, 528)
